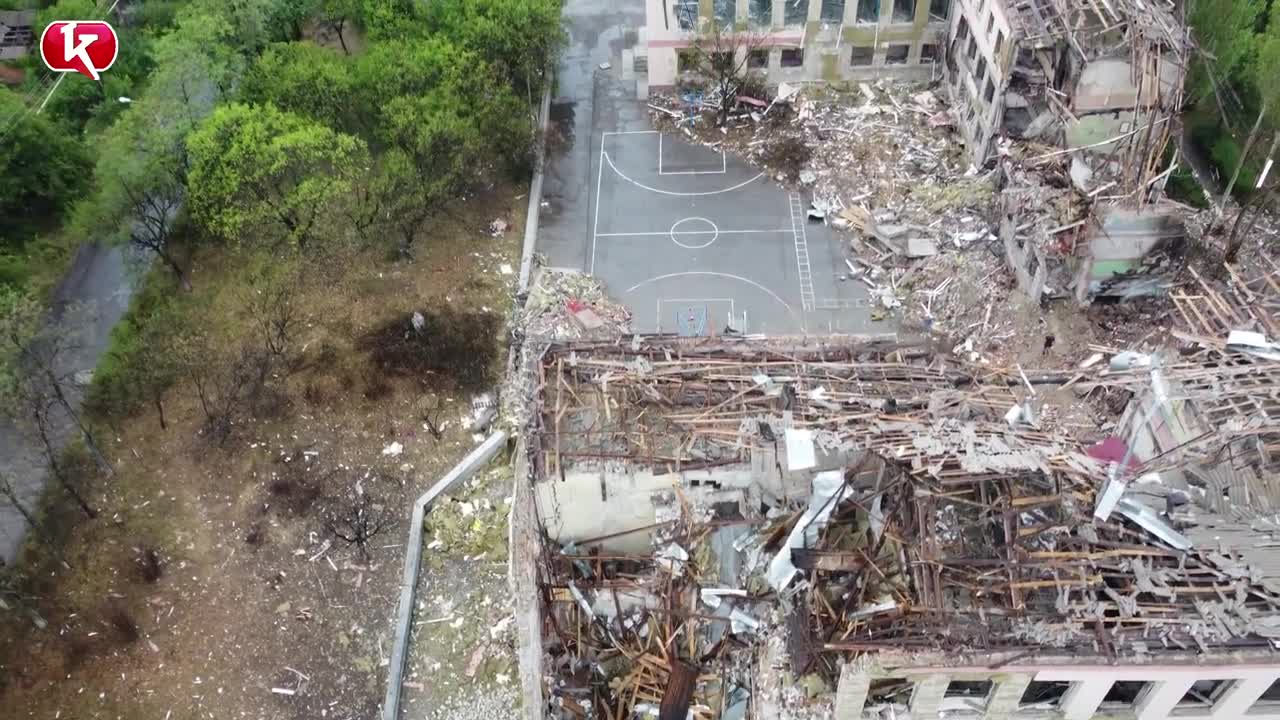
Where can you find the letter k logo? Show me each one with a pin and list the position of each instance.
(76, 47)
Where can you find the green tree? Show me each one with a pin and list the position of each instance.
(391, 19)
(197, 64)
(256, 169)
(338, 15)
(138, 183)
(1224, 30)
(41, 168)
(1265, 81)
(303, 78)
(517, 37)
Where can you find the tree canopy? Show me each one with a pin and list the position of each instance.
(305, 79)
(42, 168)
(257, 169)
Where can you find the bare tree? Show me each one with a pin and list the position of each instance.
(33, 363)
(40, 406)
(10, 494)
(356, 518)
(722, 55)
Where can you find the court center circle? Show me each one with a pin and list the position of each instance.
(712, 230)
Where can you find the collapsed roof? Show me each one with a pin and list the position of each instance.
(879, 500)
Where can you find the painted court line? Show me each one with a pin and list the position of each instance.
(642, 186)
(658, 309)
(724, 165)
(596, 225)
(739, 278)
(802, 250)
(694, 232)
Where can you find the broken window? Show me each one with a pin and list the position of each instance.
(886, 691)
(760, 12)
(862, 56)
(999, 42)
(758, 59)
(1205, 693)
(793, 57)
(1044, 693)
(832, 11)
(981, 73)
(686, 12)
(724, 12)
(973, 49)
(962, 31)
(868, 11)
(897, 54)
(795, 12)
(928, 53)
(904, 10)
(991, 23)
(1272, 694)
(939, 9)
(1122, 692)
(968, 688)
(990, 92)
(686, 61)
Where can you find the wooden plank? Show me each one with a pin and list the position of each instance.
(827, 560)
(679, 693)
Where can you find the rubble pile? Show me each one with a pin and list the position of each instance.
(816, 513)
(565, 305)
(883, 147)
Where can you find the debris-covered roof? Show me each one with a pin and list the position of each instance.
(936, 518)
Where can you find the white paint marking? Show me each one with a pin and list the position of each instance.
(596, 226)
(630, 132)
(669, 192)
(780, 231)
(724, 165)
(752, 283)
(715, 232)
(707, 301)
(802, 251)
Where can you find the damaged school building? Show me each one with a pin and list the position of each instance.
(733, 528)
(1076, 102)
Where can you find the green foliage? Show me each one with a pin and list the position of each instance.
(41, 169)
(305, 79)
(139, 363)
(66, 10)
(391, 19)
(1225, 30)
(257, 170)
(517, 37)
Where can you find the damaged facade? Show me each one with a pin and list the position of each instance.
(1078, 102)
(797, 40)
(773, 528)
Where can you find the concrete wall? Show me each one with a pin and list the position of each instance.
(980, 52)
(1161, 692)
(828, 46)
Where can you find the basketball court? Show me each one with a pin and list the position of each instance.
(697, 242)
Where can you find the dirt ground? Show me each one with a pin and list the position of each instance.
(209, 587)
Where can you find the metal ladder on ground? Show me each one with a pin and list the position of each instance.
(798, 219)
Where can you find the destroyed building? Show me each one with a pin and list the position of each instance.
(1077, 103)
(770, 528)
(798, 40)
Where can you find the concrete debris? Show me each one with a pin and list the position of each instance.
(567, 305)
(918, 525)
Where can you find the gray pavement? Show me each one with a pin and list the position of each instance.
(689, 239)
(89, 301)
